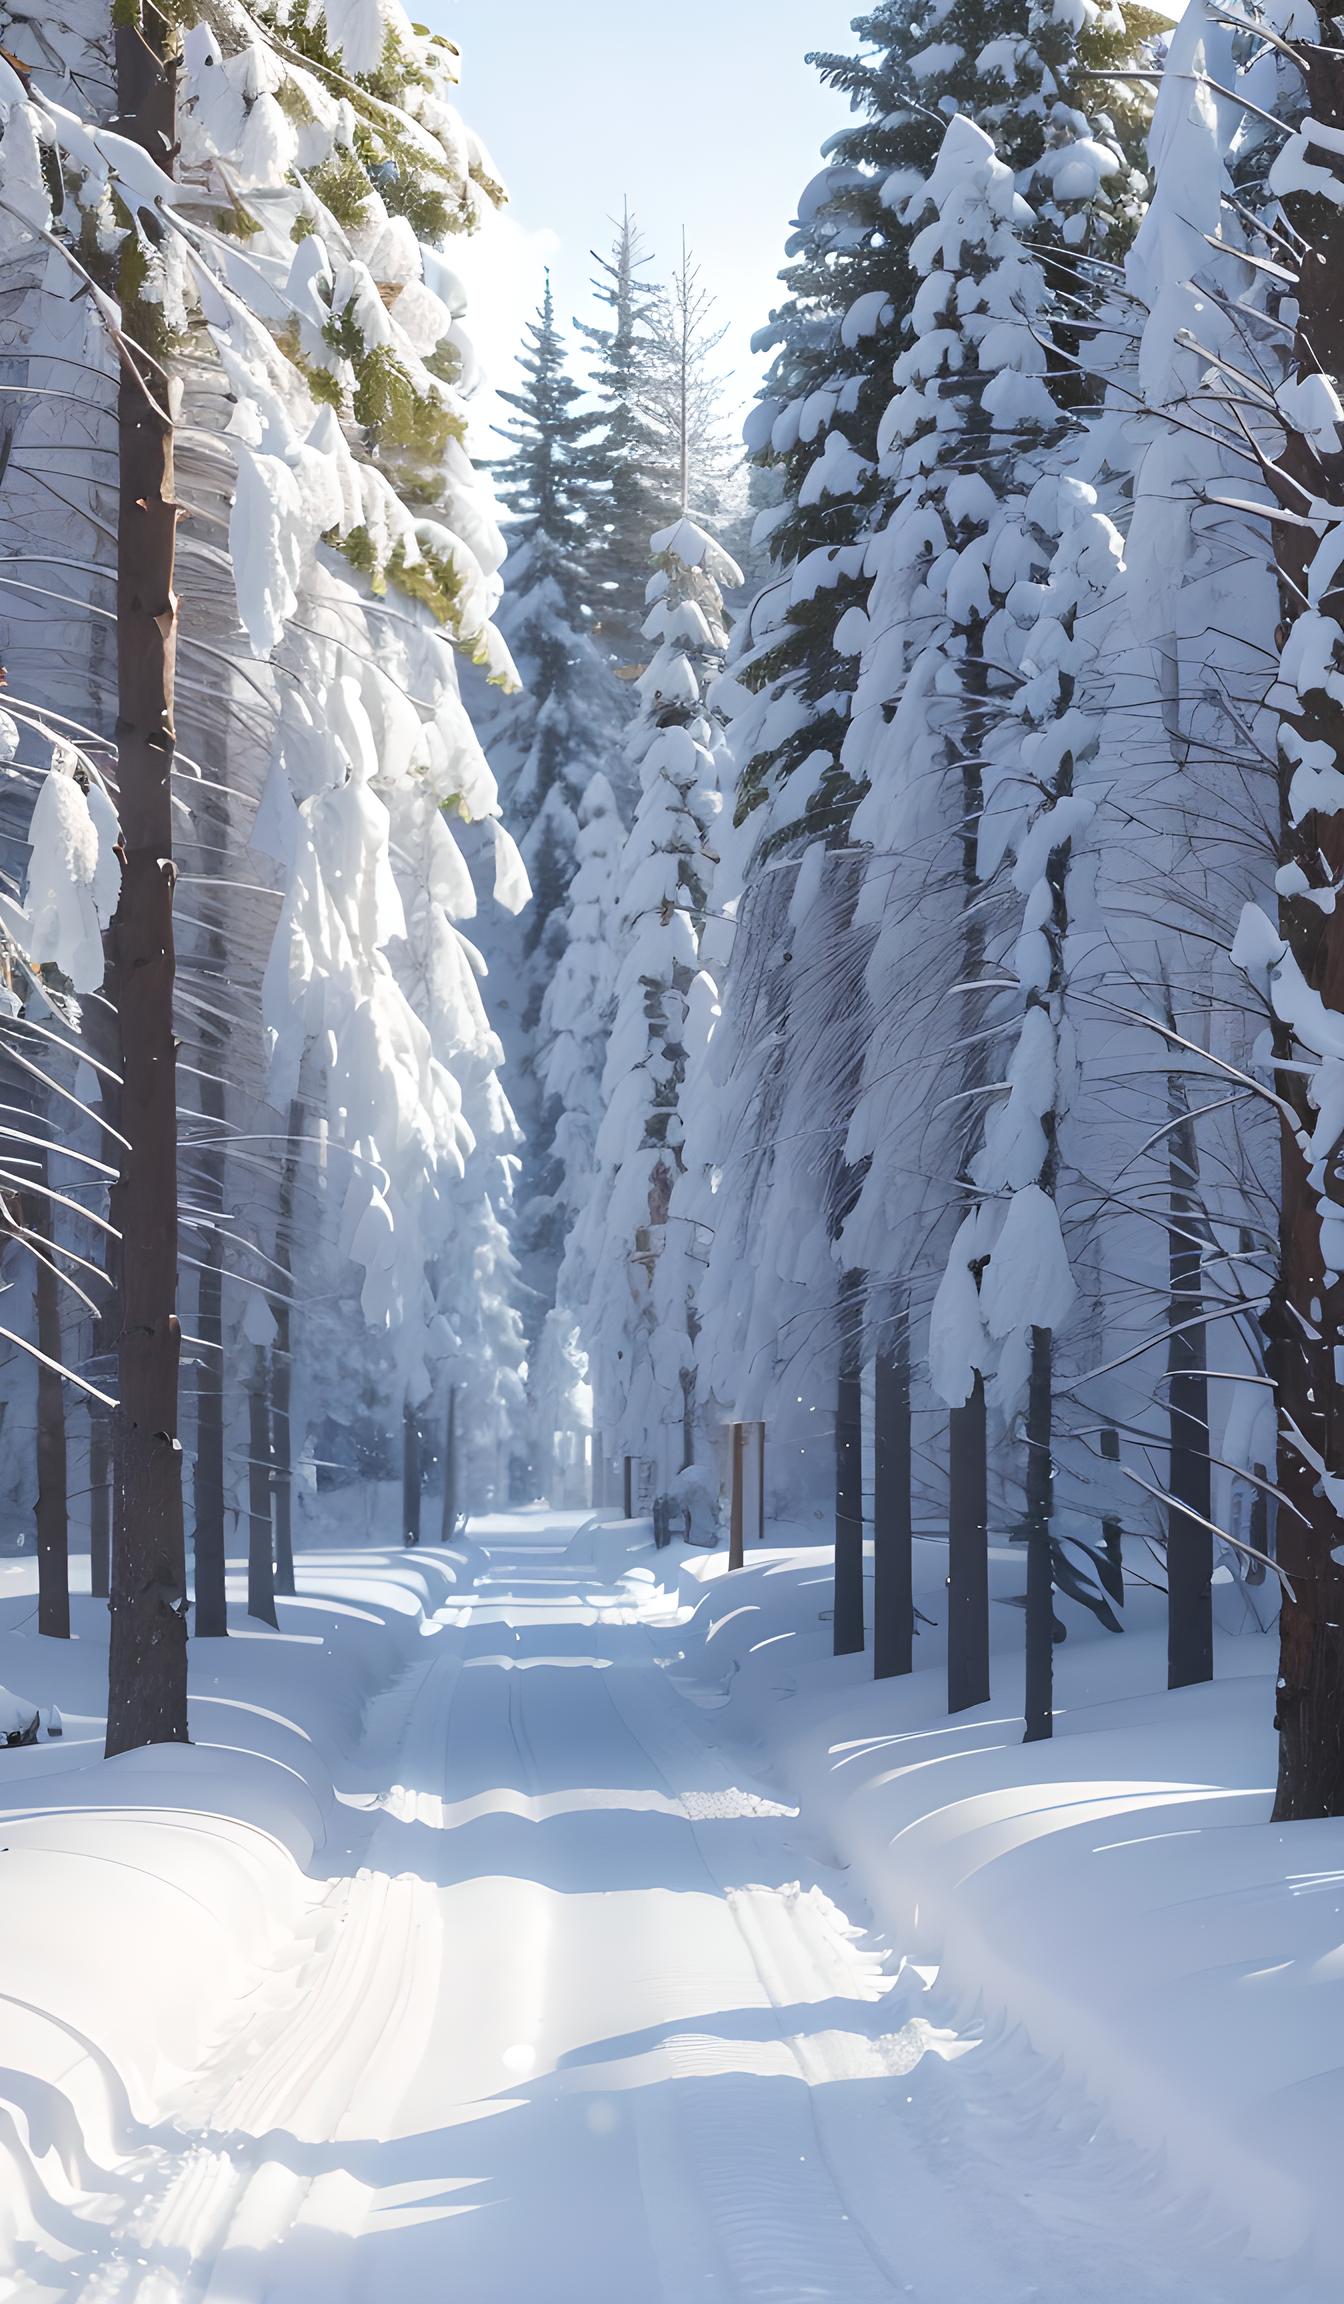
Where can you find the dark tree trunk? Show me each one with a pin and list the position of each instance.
(53, 1513)
(1189, 1539)
(260, 1551)
(208, 1545)
(1306, 1325)
(1040, 1696)
(848, 1626)
(282, 1363)
(737, 1520)
(628, 1487)
(968, 1554)
(147, 1662)
(599, 1472)
(412, 1485)
(451, 1506)
(100, 1503)
(893, 1518)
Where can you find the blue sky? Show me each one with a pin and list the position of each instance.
(702, 112)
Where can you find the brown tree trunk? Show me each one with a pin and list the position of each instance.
(893, 1525)
(737, 1524)
(209, 1548)
(1189, 1538)
(100, 1504)
(450, 1503)
(260, 1540)
(1040, 1632)
(968, 1554)
(53, 1515)
(282, 1362)
(147, 1663)
(1306, 1324)
(847, 1629)
(411, 1482)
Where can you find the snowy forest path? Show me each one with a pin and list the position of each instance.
(581, 2019)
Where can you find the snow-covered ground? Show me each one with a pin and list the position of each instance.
(549, 1917)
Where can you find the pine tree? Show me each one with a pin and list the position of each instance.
(639, 1369)
(548, 741)
(625, 449)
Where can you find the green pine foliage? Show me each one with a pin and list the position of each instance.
(626, 452)
(1033, 78)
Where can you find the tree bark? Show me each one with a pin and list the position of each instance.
(737, 1525)
(1040, 1691)
(1305, 1329)
(848, 1625)
(147, 1662)
(968, 1554)
(450, 1503)
(628, 1487)
(411, 1482)
(893, 1518)
(100, 1503)
(260, 1551)
(53, 1481)
(282, 1362)
(599, 1472)
(1189, 1541)
(208, 1543)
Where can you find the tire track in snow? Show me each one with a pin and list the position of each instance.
(204, 2231)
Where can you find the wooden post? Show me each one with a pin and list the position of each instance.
(147, 1654)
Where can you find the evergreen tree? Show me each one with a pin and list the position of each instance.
(624, 450)
(548, 742)
(640, 1367)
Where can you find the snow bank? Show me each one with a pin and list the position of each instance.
(149, 1902)
(1118, 1898)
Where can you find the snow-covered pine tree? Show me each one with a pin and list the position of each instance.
(641, 1367)
(1295, 958)
(624, 449)
(546, 744)
(682, 396)
(573, 1047)
(1036, 86)
(1176, 1151)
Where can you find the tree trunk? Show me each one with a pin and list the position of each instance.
(599, 1472)
(100, 1503)
(1040, 1696)
(737, 1524)
(53, 1514)
(848, 1625)
(411, 1481)
(282, 1362)
(893, 1519)
(260, 1548)
(450, 1502)
(147, 1661)
(1305, 1329)
(208, 1545)
(1189, 1540)
(628, 1487)
(968, 1555)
